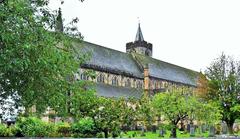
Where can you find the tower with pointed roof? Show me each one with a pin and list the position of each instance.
(139, 46)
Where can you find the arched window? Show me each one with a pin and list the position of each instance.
(128, 83)
(139, 84)
(100, 78)
(115, 81)
(83, 76)
(156, 85)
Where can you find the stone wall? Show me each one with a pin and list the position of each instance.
(125, 81)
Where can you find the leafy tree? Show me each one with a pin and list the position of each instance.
(173, 106)
(145, 112)
(83, 102)
(208, 113)
(223, 87)
(35, 61)
(84, 128)
(202, 86)
(128, 115)
(107, 116)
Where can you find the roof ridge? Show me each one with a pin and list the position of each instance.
(169, 63)
(105, 47)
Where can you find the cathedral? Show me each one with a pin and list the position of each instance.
(133, 73)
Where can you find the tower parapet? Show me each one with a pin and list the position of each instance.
(139, 45)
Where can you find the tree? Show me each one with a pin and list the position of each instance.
(36, 63)
(202, 86)
(107, 116)
(173, 106)
(208, 112)
(223, 87)
(128, 115)
(145, 112)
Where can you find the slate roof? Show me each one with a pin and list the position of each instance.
(117, 92)
(166, 71)
(110, 60)
(132, 64)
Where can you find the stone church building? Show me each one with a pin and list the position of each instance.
(134, 72)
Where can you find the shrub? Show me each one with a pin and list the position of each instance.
(84, 128)
(51, 128)
(100, 135)
(7, 131)
(63, 129)
(3, 130)
(32, 127)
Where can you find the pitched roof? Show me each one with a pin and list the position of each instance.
(117, 92)
(166, 71)
(110, 60)
(132, 64)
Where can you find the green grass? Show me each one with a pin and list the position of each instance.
(129, 134)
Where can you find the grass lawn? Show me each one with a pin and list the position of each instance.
(130, 134)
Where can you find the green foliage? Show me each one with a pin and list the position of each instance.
(3, 130)
(33, 127)
(83, 128)
(137, 134)
(128, 112)
(224, 88)
(107, 116)
(64, 129)
(7, 131)
(36, 64)
(83, 102)
(145, 112)
(208, 113)
(174, 106)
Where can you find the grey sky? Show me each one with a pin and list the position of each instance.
(188, 33)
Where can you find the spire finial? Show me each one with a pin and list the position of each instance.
(139, 35)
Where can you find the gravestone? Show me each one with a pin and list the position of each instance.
(188, 127)
(203, 127)
(161, 133)
(142, 131)
(212, 131)
(154, 129)
(224, 128)
(192, 130)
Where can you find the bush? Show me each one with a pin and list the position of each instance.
(7, 131)
(51, 128)
(100, 135)
(63, 129)
(33, 127)
(3, 130)
(84, 128)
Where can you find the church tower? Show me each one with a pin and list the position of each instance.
(139, 45)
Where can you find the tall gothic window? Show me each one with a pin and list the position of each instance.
(100, 78)
(139, 84)
(115, 81)
(83, 76)
(128, 83)
(156, 85)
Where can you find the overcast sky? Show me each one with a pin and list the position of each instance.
(188, 33)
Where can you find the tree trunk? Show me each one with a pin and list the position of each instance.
(230, 127)
(182, 126)
(174, 132)
(106, 134)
